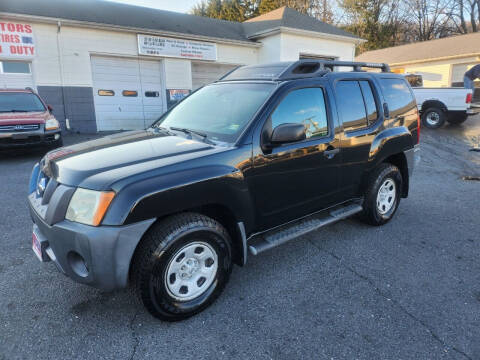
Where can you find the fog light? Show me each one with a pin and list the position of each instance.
(57, 136)
(77, 263)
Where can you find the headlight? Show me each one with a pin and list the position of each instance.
(89, 206)
(52, 124)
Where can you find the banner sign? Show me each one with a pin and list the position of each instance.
(16, 40)
(177, 95)
(170, 47)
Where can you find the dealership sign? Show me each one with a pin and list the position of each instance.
(16, 40)
(170, 47)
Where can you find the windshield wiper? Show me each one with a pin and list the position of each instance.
(14, 110)
(190, 132)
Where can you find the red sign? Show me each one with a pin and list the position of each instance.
(16, 40)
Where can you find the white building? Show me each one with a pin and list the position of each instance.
(109, 66)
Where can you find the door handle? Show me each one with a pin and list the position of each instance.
(331, 152)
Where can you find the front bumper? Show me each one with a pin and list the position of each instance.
(38, 137)
(96, 256)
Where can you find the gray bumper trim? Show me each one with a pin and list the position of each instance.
(413, 158)
(106, 250)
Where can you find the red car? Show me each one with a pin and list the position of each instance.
(25, 120)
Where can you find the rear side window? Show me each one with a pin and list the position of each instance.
(370, 104)
(303, 106)
(350, 105)
(397, 95)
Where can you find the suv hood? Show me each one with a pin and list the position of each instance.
(14, 118)
(99, 163)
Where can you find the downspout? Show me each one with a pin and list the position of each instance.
(60, 64)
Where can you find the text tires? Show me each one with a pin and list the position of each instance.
(181, 266)
(382, 195)
(433, 118)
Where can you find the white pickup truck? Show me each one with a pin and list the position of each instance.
(437, 105)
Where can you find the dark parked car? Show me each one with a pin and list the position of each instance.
(25, 120)
(240, 166)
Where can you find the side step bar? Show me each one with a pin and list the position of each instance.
(262, 242)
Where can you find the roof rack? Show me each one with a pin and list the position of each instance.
(312, 68)
(306, 68)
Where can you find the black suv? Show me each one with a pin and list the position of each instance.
(266, 154)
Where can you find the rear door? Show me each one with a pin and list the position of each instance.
(358, 110)
(292, 180)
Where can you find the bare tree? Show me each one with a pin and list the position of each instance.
(430, 18)
(464, 15)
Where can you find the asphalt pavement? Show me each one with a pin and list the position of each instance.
(407, 290)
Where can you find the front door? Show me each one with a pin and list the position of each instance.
(292, 180)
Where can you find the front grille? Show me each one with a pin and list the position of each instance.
(28, 140)
(20, 127)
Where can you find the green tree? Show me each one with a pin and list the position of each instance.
(268, 5)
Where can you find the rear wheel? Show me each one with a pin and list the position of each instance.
(433, 118)
(383, 195)
(182, 266)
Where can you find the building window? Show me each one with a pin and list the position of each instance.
(152, 94)
(106, 92)
(15, 67)
(130, 93)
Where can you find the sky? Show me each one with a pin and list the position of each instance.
(172, 5)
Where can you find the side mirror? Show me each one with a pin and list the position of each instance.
(50, 108)
(287, 133)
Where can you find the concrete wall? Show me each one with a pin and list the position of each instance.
(288, 47)
(293, 45)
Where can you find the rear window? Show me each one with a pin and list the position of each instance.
(20, 102)
(350, 105)
(397, 95)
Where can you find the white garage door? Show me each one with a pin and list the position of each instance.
(129, 94)
(15, 74)
(206, 73)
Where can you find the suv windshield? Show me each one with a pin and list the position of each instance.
(20, 102)
(220, 111)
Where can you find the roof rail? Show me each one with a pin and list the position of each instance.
(311, 68)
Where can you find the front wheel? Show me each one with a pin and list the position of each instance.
(383, 195)
(433, 118)
(182, 266)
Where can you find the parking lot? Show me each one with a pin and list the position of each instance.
(407, 290)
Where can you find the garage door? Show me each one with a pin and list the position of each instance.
(15, 74)
(128, 93)
(206, 73)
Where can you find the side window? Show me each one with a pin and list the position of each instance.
(303, 106)
(350, 105)
(370, 104)
(397, 95)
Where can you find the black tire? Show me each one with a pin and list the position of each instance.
(371, 212)
(457, 119)
(433, 113)
(164, 241)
